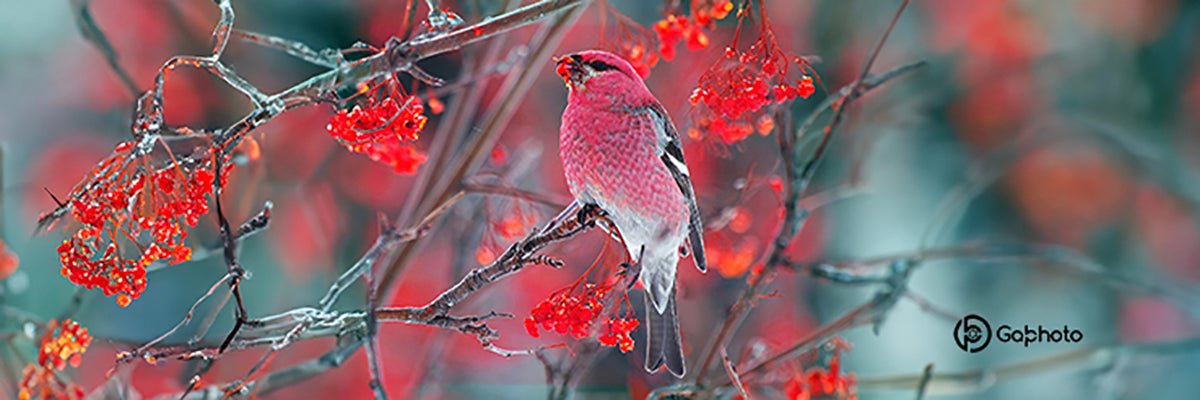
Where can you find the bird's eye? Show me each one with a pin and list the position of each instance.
(600, 66)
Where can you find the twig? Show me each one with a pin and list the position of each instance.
(373, 362)
(499, 189)
(733, 375)
(94, 35)
(924, 383)
(304, 323)
(235, 270)
(186, 318)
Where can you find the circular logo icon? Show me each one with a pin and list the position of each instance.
(972, 333)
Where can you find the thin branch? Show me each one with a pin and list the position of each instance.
(328, 58)
(94, 35)
(518, 193)
(375, 371)
(186, 318)
(923, 385)
(733, 375)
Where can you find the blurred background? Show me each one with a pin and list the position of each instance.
(1051, 147)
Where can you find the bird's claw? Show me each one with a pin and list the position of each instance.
(585, 213)
(626, 268)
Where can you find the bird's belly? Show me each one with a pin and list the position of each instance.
(612, 166)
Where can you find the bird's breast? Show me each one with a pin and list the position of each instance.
(611, 157)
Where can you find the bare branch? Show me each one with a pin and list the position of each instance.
(733, 375)
(512, 260)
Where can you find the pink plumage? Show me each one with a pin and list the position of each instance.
(620, 152)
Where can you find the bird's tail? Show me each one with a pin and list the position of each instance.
(664, 346)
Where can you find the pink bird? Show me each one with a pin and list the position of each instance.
(621, 153)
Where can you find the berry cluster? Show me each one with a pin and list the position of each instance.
(61, 344)
(821, 383)
(818, 382)
(566, 313)
(126, 202)
(617, 334)
(742, 84)
(383, 128)
(674, 29)
(678, 28)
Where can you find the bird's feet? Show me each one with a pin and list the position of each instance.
(633, 270)
(585, 213)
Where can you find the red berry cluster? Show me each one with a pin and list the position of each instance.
(674, 29)
(618, 333)
(742, 84)
(678, 28)
(61, 344)
(383, 128)
(122, 202)
(818, 382)
(566, 313)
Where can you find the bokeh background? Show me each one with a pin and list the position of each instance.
(1072, 126)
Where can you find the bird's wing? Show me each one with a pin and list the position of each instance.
(672, 155)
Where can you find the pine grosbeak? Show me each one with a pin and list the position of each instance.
(621, 153)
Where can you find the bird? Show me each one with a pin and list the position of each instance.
(621, 152)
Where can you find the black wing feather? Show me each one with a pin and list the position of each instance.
(673, 158)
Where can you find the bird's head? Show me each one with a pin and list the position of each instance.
(597, 69)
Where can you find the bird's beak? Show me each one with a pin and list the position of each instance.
(570, 70)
